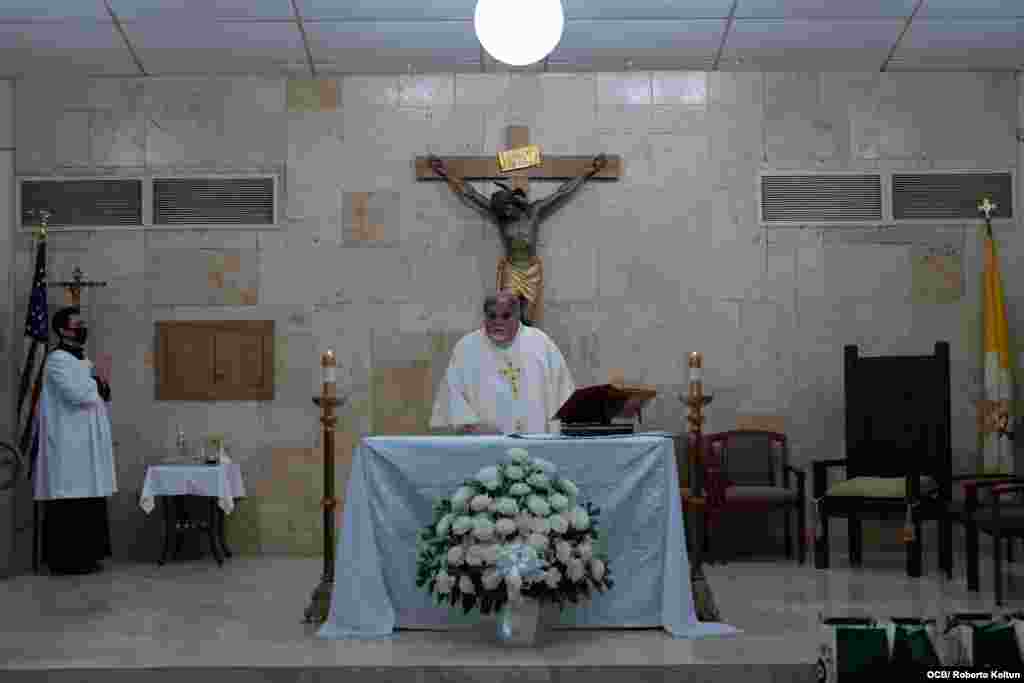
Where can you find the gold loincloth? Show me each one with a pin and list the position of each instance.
(527, 282)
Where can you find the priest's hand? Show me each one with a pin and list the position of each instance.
(103, 388)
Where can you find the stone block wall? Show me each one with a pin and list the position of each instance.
(390, 272)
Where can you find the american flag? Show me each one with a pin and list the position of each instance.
(37, 328)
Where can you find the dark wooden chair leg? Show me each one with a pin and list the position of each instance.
(1009, 550)
(914, 553)
(169, 521)
(856, 531)
(821, 545)
(789, 532)
(997, 561)
(801, 527)
(705, 536)
(971, 541)
(946, 546)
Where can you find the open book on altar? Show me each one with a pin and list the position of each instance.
(604, 409)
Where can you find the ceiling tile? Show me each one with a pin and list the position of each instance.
(641, 36)
(180, 33)
(971, 8)
(389, 10)
(206, 9)
(965, 34)
(806, 33)
(52, 9)
(443, 37)
(833, 9)
(84, 34)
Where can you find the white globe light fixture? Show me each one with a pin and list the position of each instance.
(519, 32)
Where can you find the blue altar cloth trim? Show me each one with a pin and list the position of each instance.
(390, 495)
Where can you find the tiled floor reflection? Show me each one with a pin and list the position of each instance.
(249, 613)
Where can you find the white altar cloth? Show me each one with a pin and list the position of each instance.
(395, 480)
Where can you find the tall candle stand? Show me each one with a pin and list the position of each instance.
(320, 603)
(696, 400)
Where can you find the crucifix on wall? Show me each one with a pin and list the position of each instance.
(517, 219)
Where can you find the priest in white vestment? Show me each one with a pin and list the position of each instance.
(504, 378)
(74, 473)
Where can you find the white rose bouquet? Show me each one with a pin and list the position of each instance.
(512, 532)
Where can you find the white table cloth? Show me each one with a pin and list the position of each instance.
(223, 482)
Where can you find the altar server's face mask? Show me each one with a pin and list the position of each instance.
(76, 332)
(501, 322)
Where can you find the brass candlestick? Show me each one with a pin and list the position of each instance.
(320, 603)
(696, 400)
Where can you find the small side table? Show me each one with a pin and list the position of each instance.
(220, 484)
(970, 485)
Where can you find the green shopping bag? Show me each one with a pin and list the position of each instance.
(915, 645)
(853, 649)
(997, 645)
(984, 640)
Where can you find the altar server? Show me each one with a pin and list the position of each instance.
(503, 378)
(75, 471)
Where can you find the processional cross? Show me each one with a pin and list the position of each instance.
(517, 219)
(75, 285)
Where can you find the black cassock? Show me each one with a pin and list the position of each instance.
(76, 534)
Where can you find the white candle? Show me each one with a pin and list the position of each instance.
(328, 367)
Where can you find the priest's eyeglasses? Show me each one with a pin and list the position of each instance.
(492, 316)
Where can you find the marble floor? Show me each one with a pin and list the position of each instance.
(248, 613)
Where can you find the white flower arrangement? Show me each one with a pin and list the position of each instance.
(514, 531)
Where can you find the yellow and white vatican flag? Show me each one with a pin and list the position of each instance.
(995, 412)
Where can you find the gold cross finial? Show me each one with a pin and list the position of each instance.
(44, 218)
(987, 207)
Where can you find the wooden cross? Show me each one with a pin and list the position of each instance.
(75, 285)
(551, 168)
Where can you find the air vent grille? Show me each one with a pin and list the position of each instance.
(225, 201)
(824, 198)
(938, 196)
(82, 203)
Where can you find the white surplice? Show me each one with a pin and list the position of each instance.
(76, 456)
(518, 388)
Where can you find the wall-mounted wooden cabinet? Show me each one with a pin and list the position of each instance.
(215, 360)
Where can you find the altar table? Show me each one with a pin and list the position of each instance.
(394, 482)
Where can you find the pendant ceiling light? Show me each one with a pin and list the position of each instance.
(519, 32)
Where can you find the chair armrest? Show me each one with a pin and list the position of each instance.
(998, 491)
(972, 484)
(801, 478)
(820, 470)
(834, 462)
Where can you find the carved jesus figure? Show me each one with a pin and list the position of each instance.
(518, 221)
